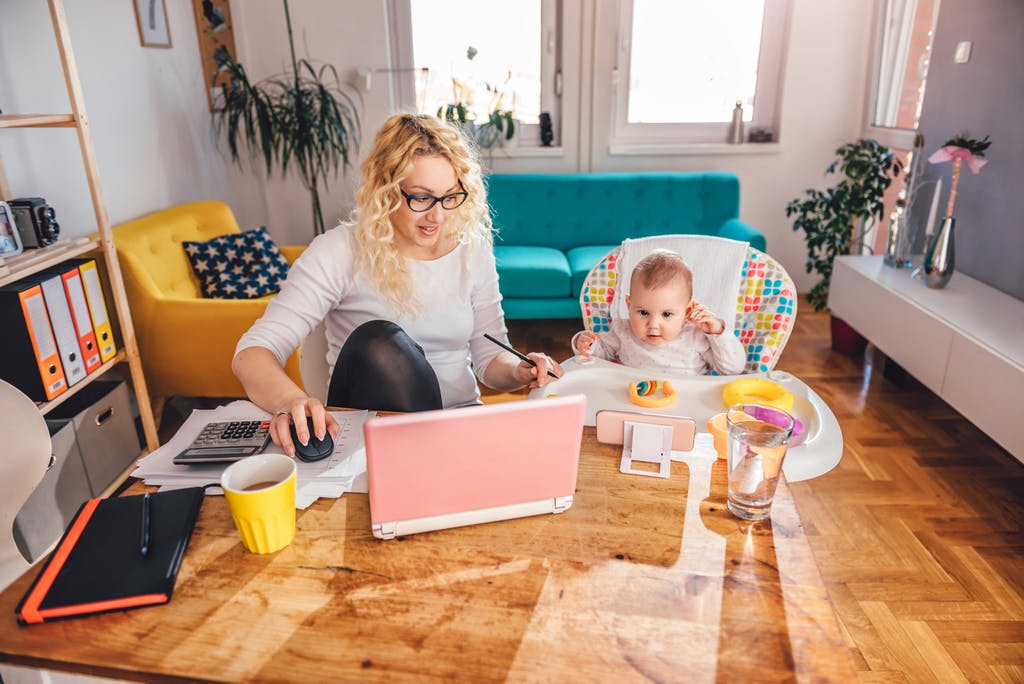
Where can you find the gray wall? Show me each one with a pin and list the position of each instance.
(985, 96)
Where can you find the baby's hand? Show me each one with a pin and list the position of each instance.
(585, 342)
(704, 319)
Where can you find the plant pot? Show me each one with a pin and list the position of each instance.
(846, 340)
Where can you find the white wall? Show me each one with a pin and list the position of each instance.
(146, 106)
(152, 126)
(350, 35)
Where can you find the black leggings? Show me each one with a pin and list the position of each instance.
(381, 368)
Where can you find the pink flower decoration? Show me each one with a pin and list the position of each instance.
(953, 153)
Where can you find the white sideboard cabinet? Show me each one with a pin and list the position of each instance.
(964, 342)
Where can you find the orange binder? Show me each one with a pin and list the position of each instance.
(61, 324)
(97, 307)
(75, 292)
(28, 351)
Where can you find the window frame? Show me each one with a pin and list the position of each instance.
(891, 137)
(402, 69)
(626, 135)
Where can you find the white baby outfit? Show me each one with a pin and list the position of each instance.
(693, 352)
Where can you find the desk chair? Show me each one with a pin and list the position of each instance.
(765, 301)
(26, 457)
(313, 363)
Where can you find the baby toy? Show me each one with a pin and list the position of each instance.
(642, 393)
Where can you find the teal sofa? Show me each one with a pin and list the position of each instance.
(552, 228)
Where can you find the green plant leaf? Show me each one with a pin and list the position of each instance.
(865, 170)
(303, 121)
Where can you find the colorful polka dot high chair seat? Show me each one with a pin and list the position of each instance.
(765, 304)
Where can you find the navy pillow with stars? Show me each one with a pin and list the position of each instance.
(238, 265)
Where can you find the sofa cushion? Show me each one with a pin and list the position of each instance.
(574, 210)
(238, 265)
(532, 272)
(581, 260)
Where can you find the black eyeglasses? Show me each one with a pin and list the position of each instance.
(421, 203)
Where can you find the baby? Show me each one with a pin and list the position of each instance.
(667, 329)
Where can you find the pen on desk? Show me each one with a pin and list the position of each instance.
(144, 548)
(518, 353)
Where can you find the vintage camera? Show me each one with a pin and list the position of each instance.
(36, 221)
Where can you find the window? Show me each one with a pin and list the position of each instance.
(903, 46)
(486, 56)
(904, 31)
(682, 67)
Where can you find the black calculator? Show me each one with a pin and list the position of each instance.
(226, 441)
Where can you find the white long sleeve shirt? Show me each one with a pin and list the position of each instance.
(459, 302)
(692, 352)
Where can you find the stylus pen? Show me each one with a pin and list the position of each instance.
(518, 353)
(144, 548)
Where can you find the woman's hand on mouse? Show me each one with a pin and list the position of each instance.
(294, 412)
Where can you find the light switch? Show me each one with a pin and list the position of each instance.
(963, 52)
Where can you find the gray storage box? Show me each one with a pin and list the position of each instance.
(57, 497)
(104, 430)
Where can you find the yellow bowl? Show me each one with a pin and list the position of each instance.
(757, 391)
(720, 432)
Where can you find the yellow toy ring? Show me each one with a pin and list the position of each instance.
(642, 393)
(757, 391)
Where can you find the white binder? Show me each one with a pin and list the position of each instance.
(63, 327)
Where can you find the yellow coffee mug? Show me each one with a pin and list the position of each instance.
(260, 491)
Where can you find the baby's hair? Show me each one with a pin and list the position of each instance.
(661, 267)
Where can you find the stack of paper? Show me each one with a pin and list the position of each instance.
(344, 471)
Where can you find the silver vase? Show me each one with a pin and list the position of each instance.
(940, 258)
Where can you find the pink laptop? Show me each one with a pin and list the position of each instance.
(438, 469)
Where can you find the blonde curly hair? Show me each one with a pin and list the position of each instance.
(401, 139)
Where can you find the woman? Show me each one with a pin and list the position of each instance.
(406, 290)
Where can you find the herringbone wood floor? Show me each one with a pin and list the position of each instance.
(918, 531)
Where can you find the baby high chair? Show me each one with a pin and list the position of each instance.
(760, 292)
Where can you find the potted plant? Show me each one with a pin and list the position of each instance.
(498, 127)
(834, 220)
(302, 119)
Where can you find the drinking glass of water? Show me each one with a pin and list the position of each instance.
(757, 447)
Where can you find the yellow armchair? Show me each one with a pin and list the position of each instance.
(186, 341)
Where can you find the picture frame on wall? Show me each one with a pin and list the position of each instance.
(151, 18)
(10, 239)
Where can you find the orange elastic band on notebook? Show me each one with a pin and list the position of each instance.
(30, 612)
(100, 606)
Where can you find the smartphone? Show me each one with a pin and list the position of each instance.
(611, 426)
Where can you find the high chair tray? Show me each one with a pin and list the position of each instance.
(605, 385)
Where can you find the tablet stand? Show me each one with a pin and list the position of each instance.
(647, 443)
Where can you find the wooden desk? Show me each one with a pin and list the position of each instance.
(642, 579)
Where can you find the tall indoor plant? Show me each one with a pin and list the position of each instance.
(833, 220)
(303, 119)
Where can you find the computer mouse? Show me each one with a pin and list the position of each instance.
(315, 449)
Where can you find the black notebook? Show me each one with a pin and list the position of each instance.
(114, 555)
